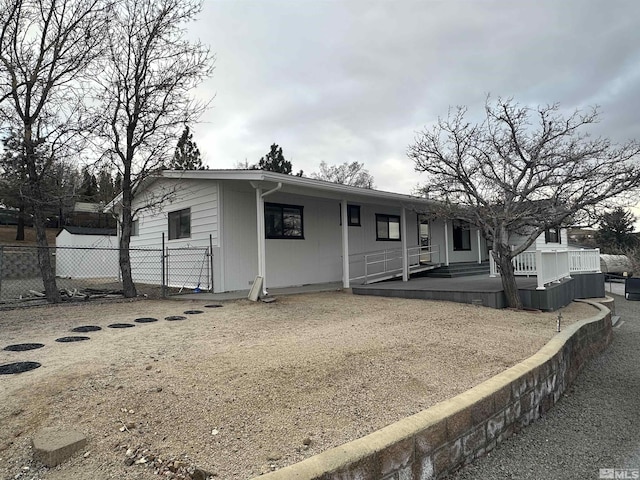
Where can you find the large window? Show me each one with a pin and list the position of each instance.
(461, 236)
(387, 227)
(552, 235)
(283, 221)
(180, 224)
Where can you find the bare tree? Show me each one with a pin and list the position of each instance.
(46, 49)
(353, 174)
(509, 177)
(149, 74)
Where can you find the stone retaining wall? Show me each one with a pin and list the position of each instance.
(21, 262)
(439, 440)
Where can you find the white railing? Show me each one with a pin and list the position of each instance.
(552, 265)
(382, 264)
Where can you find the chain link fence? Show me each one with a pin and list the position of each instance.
(88, 272)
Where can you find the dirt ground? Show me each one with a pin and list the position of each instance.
(247, 388)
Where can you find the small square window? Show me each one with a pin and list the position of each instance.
(283, 221)
(387, 227)
(552, 235)
(353, 214)
(180, 224)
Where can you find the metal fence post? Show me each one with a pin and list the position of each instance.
(211, 261)
(163, 270)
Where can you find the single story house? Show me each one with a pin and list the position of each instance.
(293, 230)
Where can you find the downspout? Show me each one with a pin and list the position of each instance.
(262, 264)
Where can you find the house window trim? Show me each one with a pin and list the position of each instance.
(169, 215)
(557, 234)
(282, 206)
(465, 227)
(383, 216)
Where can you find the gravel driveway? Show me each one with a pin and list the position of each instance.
(595, 426)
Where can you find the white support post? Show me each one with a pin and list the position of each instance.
(403, 236)
(479, 249)
(345, 244)
(446, 242)
(262, 264)
(539, 271)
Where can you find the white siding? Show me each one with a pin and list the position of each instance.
(240, 244)
(186, 269)
(540, 244)
(201, 196)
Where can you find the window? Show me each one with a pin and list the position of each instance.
(353, 213)
(283, 221)
(461, 236)
(135, 228)
(180, 224)
(552, 235)
(387, 227)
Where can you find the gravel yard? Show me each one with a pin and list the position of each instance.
(246, 388)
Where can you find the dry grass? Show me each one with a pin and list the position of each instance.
(8, 235)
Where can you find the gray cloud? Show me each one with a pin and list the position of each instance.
(343, 81)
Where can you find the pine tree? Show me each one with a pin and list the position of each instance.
(187, 155)
(274, 161)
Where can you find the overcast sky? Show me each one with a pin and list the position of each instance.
(355, 80)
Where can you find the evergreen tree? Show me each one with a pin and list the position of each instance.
(615, 235)
(274, 161)
(187, 155)
(89, 188)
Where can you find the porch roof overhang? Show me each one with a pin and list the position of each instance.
(291, 184)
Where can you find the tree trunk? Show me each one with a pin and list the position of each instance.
(508, 278)
(44, 257)
(20, 226)
(128, 287)
(38, 204)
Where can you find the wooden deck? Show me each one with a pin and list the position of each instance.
(487, 291)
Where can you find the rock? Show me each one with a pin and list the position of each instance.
(200, 474)
(86, 454)
(264, 469)
(129, 461)
(214, 431)
(159, 389)
(306, 441)
(274, 456)
(148, 367)
(53, 446)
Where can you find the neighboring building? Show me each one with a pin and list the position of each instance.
(292, 230)
(83, 252)
(90, 215)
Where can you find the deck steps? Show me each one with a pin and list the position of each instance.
(454, 270)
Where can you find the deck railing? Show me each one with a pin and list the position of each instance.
(383, 264)
(551, 265)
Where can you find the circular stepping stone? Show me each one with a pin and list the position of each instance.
(145, 320)
(213, 305)
(193, 312)
(18, 367)
(23, 347)
(173, 318)
(121, 325)
(86, 328)
(71, 339)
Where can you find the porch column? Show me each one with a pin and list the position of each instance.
(345, 244)
(403, 236)
(446, 242)
(262, 265)
(479, 249)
